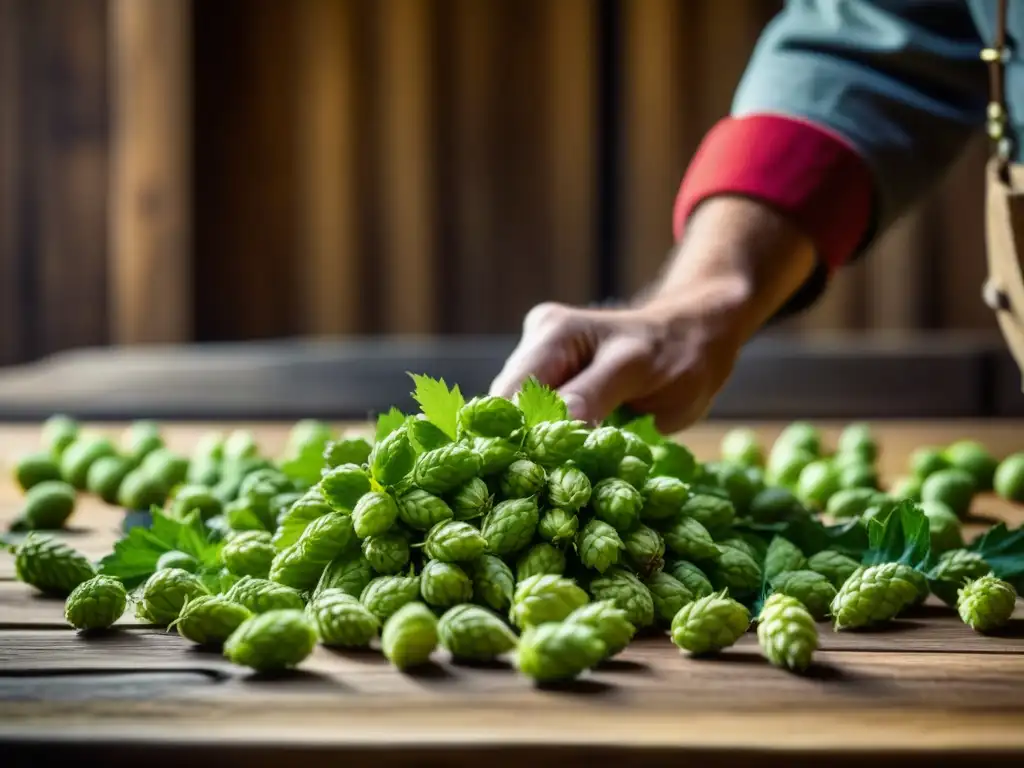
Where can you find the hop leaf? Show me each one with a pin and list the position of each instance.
(540, 403)
(272, 641)
(787, 633)
(438, 403)
(388, 423)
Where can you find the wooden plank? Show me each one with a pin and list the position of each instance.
(21, 607)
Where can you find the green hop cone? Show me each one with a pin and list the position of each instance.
(663, 498)
(209, 619)
(446, 468)
(347, 450)
(176, 559)
(986, 604)
(812, 589)
(50, 566)
(57, 433)
(785, 465)
(692, 577)
(944, 527)
(350, 572)
(140, 439)
(272, 641)
(454, 541)
(96, 603)
(34, 468)
(300, 565)
(551, 443)
(599, 545)
(609, 621)
(409, 636)
(816, 483)
(953, 487)
(543, 598)
(709, 624)
(800, 435)
(558, 525)
(637, 448)
(752, 544)
(737, 484)
(82, 454)
(472, 500)
(601, 453)
(858, 439)
(688, 538)
(634, 471)
(669, 595)
(105, 477)
(742, 446)
(559, 651)
(496, 453)
(850, 502)
(343, 486)
(443, 585)
(469, 632)
(493, 583)
(568, 488)
(787, 633)
(387, 553)
(522, 478)
(384, 595)
(262, 595)
(834, 566)
(736, 571)
(673, 460)
(617, 503)
(783, 555)
(240, 444)
(490, 416)
(510, 526)
(714, 513)
(1008, 479)
(421, 510)
(775, 504)
(857, 476)
(953, 569)
(392, 458)
(248, 553)
(541, 558)
(195, 497)
(873, 595)
(645, 549)
(164, 594)
(628, 593)
(47, 506)
(341, 620)
(374, 514)
(294, 520)
(975, 459)
(908, 487)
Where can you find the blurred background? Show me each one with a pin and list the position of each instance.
(181, 171)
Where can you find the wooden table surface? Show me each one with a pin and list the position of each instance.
(925, 689)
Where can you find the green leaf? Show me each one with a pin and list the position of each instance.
(643, 427)
(388, 423)
(1003, 549)
(305, 465)
(438, 403)
(811, 536)
(425, 436)
(539, 402)
(899, 534)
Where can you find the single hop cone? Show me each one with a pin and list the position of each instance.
(611, 623)
(568, 488)
(710, 624)
(873, 595)
(96, 604)
(341, 620)
(490, 416)
(954, 569)
(523, 478)
(409, 636)
(166, 592)
(557, 525)
(272, 641)
(472, 501)
(470, 632)
(209, 619)
(443, 585)
(628, 593)
(787, 633)
(249, 553)
(386, 594)
(545, 597)
(446, 468)
(813, 590)
(387, 553)
(51, 566)
(454, 541)
(598, 545)
(558, 651)
(540, 558)
(986, 604)
(262, 595)
(493, 583)
(510, 526)
(496, 453)
(349, 573)
(551, 443)
(374, 514)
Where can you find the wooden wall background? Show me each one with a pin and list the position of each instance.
(177, 170)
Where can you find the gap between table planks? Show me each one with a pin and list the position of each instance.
(927, 682)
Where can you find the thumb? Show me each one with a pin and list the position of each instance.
(619, 372)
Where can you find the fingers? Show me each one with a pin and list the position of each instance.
(619, 372)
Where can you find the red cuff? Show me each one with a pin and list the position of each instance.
(801, 169)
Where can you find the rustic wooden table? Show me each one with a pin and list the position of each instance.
(927, 689)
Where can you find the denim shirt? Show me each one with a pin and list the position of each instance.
(900, 80)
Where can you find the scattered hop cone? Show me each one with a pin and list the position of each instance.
(392, 458)
(710, 624)
(713, 512)
(490, 416)
(454, 541)
(559, 651)
(472, 500)
(635, 446)
(165, 592)
(669, 595)
(176, 559)
(568, 488)
(343, 486)
(249, 553)
(47, 506)
(386, 594)
(341, 620)
(689, 539)
(421, 510)
(209, 619)
(953, 570)
(834, 566)
(872, 595)
(493, 583)
(609, 621)
(349, 573)
(469, 632)
(601, 452)
(813, 590)
(986, 604)
(295, 568)
(446, 468)
(409, 636)
(272, 641)
(692, 577)
(445, 584)
(617, 503)
(628, 593)
(787, 633)
(663, 497)
(540, 559)
(633, 471)
(96, 603)
(374, 514)
(543, 598)
(50, 566)
(347, 450)
(558, 525)
(756, 553)
(388, 553)
(599, 545)
(736, 571)
(783, 555)
(263, 595)
(646, 550)
(551, 443)
(496, 453)
(510, 526)
(523, 478)
(297, 517)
